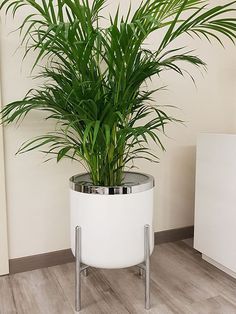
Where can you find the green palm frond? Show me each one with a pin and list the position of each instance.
(96, 77)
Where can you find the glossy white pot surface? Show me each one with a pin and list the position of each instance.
(112, 227)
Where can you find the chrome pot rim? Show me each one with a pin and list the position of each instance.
(134, 182)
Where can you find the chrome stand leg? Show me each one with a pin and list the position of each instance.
(147, 265)
(141, 272)
(144, 268)
(77, 268)
(85, 272)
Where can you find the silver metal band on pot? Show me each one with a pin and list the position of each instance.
(134, 182)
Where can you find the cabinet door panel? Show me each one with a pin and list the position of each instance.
(215, 198)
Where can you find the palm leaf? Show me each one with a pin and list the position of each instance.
(95, 80)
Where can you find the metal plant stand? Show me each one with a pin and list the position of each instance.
(144, 268)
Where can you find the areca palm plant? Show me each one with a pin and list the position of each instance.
(96, 77)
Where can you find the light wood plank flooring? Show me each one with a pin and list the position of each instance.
(182, 283)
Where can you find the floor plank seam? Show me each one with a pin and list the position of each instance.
(62, 290)
(12, 292)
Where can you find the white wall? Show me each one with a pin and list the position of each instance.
(37, 198)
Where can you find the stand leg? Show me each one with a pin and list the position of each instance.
(144, 269)
(85, 272)
(77, 268)
(147, 265)
(141, 272)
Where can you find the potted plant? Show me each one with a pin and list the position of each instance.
(95, 89)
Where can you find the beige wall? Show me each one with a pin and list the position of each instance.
(37, 193)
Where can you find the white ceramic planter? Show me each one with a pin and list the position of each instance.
(112, 225)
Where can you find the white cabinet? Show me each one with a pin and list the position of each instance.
(215, 200)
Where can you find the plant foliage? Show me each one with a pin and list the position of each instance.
(95, 78)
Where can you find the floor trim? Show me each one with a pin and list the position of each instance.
(18, 265)
(27, 263)
(174, 235)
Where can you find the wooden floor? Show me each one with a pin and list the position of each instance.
(181, 283)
